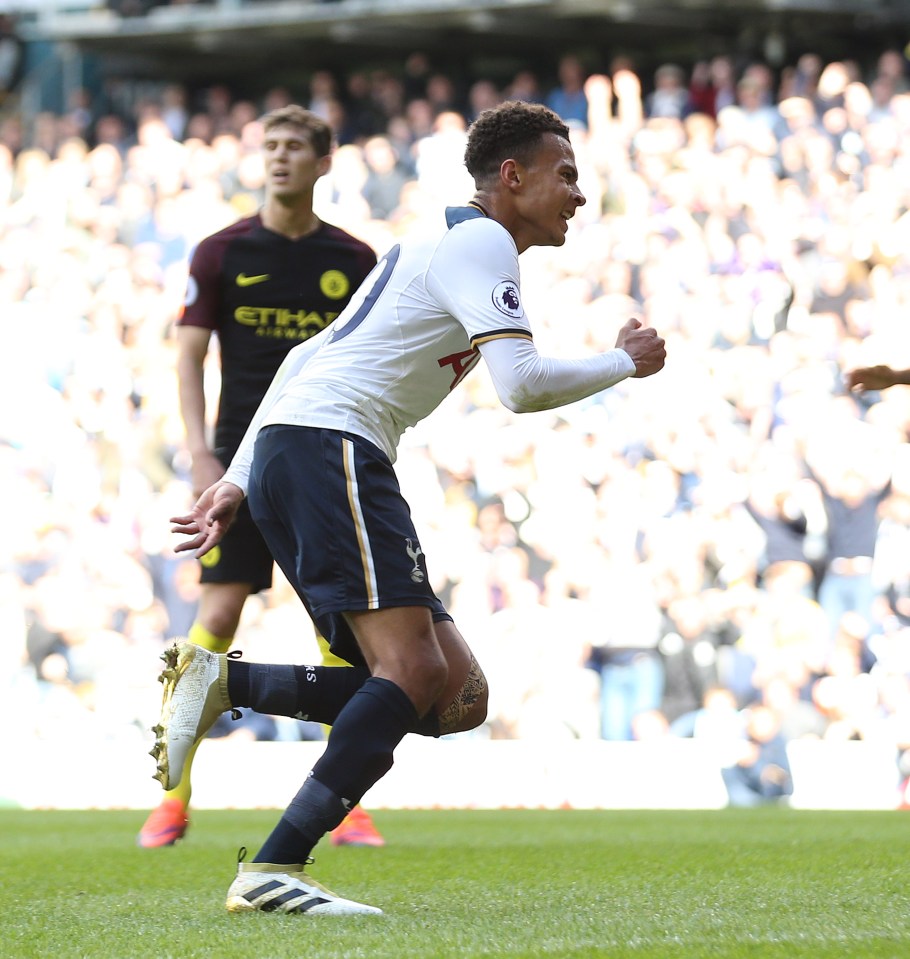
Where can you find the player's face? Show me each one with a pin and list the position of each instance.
(292, 166)
(550, 195)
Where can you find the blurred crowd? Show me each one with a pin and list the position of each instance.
(719, 552)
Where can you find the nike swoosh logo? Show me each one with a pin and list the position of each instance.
(244, 280)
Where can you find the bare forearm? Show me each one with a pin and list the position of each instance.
(879, 377)
(192, 405)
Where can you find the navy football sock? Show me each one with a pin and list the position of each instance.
(316, 693)
(358, 754)
(366, 732)
(313, 812)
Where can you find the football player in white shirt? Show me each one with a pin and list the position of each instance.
(316, 466)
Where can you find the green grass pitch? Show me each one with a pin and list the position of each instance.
(774, 883)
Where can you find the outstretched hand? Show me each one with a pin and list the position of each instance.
(647, 349)
(209, 519)
(870, 378)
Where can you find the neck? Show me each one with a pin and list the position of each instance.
(293, 221)
(504, 213)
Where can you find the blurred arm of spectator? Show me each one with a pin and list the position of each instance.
(879, 377)
(599, 92)
(192, 347)
(629, 106)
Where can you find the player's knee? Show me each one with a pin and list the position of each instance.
(220, 608)
(220, 635)
(434, 671)
(422, 677)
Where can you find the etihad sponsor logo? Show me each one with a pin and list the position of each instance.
(281, 318)
(285, 332)
(244, 280)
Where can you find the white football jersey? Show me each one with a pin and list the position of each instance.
(409, 335)
(412, 332)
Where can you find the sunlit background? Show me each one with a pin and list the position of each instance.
(679, 576)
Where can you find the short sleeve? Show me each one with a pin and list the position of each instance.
(474, 276)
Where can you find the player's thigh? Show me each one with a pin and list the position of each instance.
(341, 531)
(399, 643)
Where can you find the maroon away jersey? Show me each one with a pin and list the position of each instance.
(264, 293)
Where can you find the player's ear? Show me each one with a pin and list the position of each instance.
(324, 165)
(511, 173)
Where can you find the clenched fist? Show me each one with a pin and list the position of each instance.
(647, 349)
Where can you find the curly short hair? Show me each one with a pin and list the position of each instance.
(318, 132)
(513, 129)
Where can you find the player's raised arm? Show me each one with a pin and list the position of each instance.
(527, 382)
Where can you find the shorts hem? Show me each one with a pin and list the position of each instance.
(333, 609)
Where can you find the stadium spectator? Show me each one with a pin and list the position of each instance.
(688, 648)
(386, 177)
(632, 671)
(484, 95)
(786, 508)
(363, 115)
(852, 485)
(567, 98)
(804, 76)
(669, 98)
(760, 115)
(712, 86)
(524, 86)
(442, 95)
(417, 72)
(761, 775)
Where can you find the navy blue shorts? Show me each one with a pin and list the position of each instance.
(330, 509)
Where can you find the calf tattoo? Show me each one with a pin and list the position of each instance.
(451, 720)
